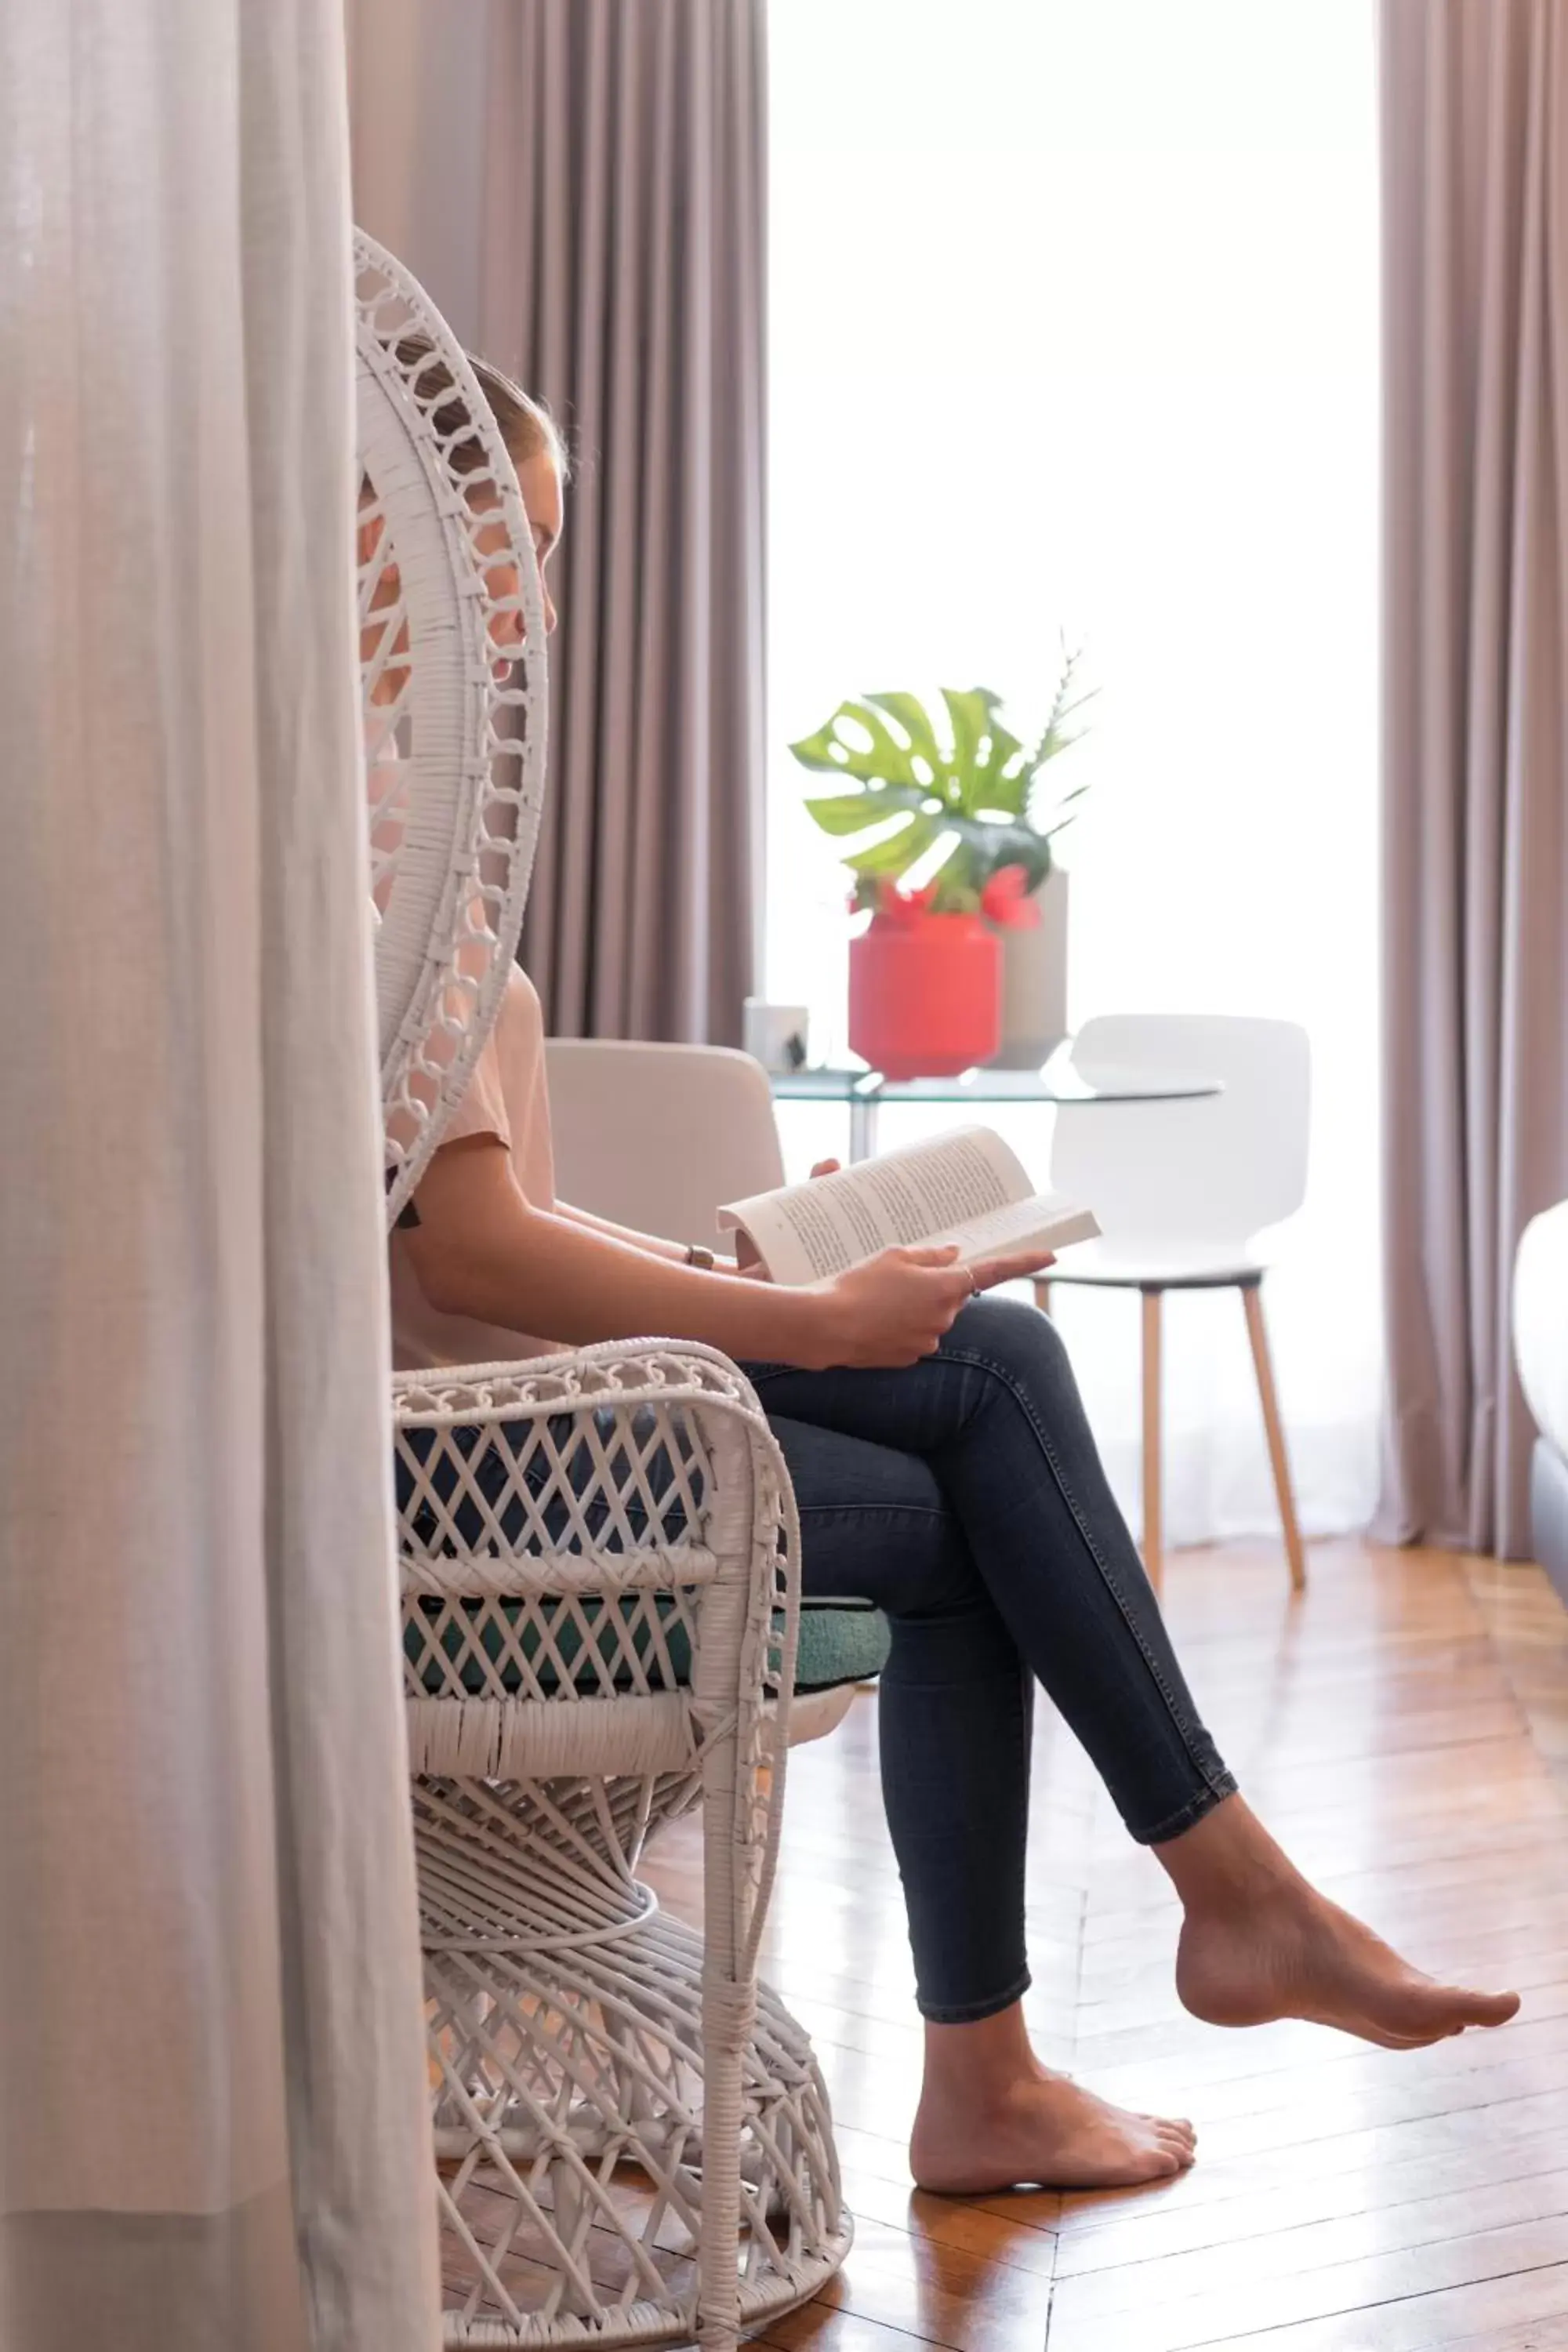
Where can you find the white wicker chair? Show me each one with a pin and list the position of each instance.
(600, 1572)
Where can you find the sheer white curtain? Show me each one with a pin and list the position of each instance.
(213, 2125)
(1074, 327)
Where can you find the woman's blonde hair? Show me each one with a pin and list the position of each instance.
(525, 425)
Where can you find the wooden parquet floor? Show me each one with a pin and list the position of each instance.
(1404, 1728)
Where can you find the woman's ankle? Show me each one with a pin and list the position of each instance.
(979, 2059)
(1227, 1861)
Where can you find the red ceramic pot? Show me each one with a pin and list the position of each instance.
(925, 993)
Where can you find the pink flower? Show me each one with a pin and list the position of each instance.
(905, 905)
(1005, 900)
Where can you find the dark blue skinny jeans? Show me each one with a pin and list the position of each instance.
(965, 1497)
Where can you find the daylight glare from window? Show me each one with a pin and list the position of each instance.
(1073, 333)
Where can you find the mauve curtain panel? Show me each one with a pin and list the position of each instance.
(214, 2122)
(581, 184)
(1475, 171)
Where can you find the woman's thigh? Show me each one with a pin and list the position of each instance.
(923, 1408)
(874, 1525)
(527, 1485)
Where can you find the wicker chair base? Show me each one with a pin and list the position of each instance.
(567, 2035)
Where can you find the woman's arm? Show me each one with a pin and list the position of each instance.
(652, 1244)
(676, 1251)
(482, 1249)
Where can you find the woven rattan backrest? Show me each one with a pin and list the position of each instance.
(454, 707)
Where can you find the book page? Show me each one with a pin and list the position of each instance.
(808, 1230)
(1047, 1221)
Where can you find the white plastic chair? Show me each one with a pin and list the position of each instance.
(599, 1565)
(1186, 1192)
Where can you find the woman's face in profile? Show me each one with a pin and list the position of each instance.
(540, 481)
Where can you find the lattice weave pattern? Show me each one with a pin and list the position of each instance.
(452, 654)
(600, 1581)
(599, 1555)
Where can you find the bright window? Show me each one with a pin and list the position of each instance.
(1074, 327)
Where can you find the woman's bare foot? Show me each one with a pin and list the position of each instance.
(1259, 1943)
(1042, 2132)
(991, 2118)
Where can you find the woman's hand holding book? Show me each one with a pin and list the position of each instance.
(894, 1308)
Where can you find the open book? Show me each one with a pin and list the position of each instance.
(967, 1188)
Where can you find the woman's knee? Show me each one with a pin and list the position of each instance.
(1017, 1338)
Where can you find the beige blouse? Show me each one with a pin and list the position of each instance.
(506, 1097)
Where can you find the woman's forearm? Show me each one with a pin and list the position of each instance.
(653, 1245)
(481, 1250)
(579, 1286)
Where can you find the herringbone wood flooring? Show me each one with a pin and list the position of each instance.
(1405, 1729)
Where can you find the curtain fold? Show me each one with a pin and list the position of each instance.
(1474, 124)
(213, 2118)
(580, 185)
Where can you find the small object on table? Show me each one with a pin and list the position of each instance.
(776, 1035)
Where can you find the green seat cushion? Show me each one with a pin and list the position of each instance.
(840, 1641)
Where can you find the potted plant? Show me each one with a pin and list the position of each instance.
(961, 801)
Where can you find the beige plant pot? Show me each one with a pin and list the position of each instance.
(1035, 983)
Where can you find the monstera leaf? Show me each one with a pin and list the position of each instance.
(912, 785)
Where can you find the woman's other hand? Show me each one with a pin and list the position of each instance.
(893, 1309)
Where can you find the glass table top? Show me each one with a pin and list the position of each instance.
(1059, 1080)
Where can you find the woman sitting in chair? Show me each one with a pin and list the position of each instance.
(944, 1470)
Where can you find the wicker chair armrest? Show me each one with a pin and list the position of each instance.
(580, 1526)
(626, 1370)
(597, 1471)
(611, 1520)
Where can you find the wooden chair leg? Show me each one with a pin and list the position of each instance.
(1043, 1293)
(1153, 1547)
(1252, 1300)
